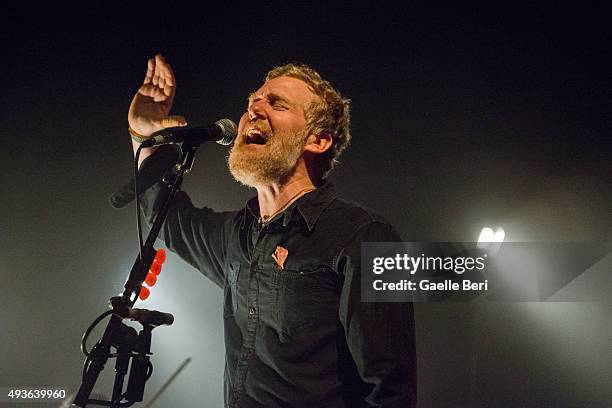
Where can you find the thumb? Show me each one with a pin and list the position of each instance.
(173, 121)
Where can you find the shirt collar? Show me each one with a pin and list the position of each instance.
(310, 206)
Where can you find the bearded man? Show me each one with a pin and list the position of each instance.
(296, 331)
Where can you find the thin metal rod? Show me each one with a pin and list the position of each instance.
(168, 382)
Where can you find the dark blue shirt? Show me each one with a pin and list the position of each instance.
(296, 332)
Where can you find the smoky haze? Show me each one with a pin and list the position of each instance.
(462, 118)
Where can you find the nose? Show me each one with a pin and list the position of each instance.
(255, 110)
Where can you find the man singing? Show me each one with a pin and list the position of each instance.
(296, 331)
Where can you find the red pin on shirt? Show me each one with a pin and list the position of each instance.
(280, 256)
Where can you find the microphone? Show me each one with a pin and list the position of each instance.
(223, 131)
(144, 316)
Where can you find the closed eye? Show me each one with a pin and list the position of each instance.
(277, 102)
(279, 106)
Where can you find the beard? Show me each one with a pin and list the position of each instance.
(270, 163)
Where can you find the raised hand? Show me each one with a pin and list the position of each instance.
(151, 105)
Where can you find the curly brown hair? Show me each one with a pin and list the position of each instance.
(330, 114)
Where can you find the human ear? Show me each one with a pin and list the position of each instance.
(318, 143)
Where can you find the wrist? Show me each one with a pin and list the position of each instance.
(137, 136)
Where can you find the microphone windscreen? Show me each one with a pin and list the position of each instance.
(229, 131)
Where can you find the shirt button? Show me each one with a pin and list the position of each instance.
(251, 311)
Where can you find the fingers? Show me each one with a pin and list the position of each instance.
(152, 91)
(164, 68)
(150, 70)
(155, 72)
(166, 76)
(160, 74)
(173, 121)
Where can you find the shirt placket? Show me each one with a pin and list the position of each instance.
(260, 239)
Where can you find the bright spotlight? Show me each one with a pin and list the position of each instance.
(490, 239)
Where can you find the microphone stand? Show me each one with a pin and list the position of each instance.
(119, 335)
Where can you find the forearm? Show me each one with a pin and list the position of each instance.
(381, 340)
(197, 235)
(380, 336)
(383, 348)
(144, 153)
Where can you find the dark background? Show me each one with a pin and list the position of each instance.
(463, 117)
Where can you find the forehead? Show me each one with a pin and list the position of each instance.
(292, 89)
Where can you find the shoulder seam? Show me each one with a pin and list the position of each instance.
(343, 246)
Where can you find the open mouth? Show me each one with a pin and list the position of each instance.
(255, 137)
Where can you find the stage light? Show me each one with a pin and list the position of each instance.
(487, 235)
(491, 240)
